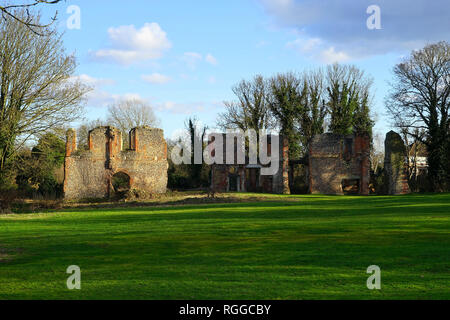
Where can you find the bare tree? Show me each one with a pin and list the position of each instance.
(127, 114)
(420, 99)
(28, 19)
(413, 149)
(250, 110)
(36, 91)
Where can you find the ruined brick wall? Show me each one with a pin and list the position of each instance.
(281, 179)
(220, 177)
(395, 164)
(278, 183)
(222, 173)
(335, 158)
(88, 174)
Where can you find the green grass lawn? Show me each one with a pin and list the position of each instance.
(286, 247)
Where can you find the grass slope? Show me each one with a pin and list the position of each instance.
(310, 247)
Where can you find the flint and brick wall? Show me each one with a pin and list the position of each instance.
(334, 158)
(278, 183)
(88, 174)
(395, 167)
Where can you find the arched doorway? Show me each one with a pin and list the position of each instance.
(121, 183)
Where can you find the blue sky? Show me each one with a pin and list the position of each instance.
(183, 57)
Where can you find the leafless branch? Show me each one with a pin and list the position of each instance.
(27, 20)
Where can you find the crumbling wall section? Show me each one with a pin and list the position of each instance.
(334, 159)
(281, 178)
(277, 183)
(146, 162)
(88, 174)
(395, 164)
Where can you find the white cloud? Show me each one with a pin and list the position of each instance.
(130, 45)
(102, 99)
(180, 108)
(311, 44)
(128, 96)
(156, 78)
(91, 81)
(211, 59)
(191, 59)
(317, 49)
(98, 97)
(331, 56)
(305, 45)
(186, 108)
(342, 30)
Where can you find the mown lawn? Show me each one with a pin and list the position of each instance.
(310, 247)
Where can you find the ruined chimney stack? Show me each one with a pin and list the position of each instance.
(71, 142)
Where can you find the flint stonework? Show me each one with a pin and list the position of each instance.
(88, 174)
(395, 164)
(337, 162)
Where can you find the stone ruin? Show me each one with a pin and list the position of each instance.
(339, 164)
(90, 173)
(247, 177)
(394, 165)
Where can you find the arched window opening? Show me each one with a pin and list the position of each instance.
(121, 184)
